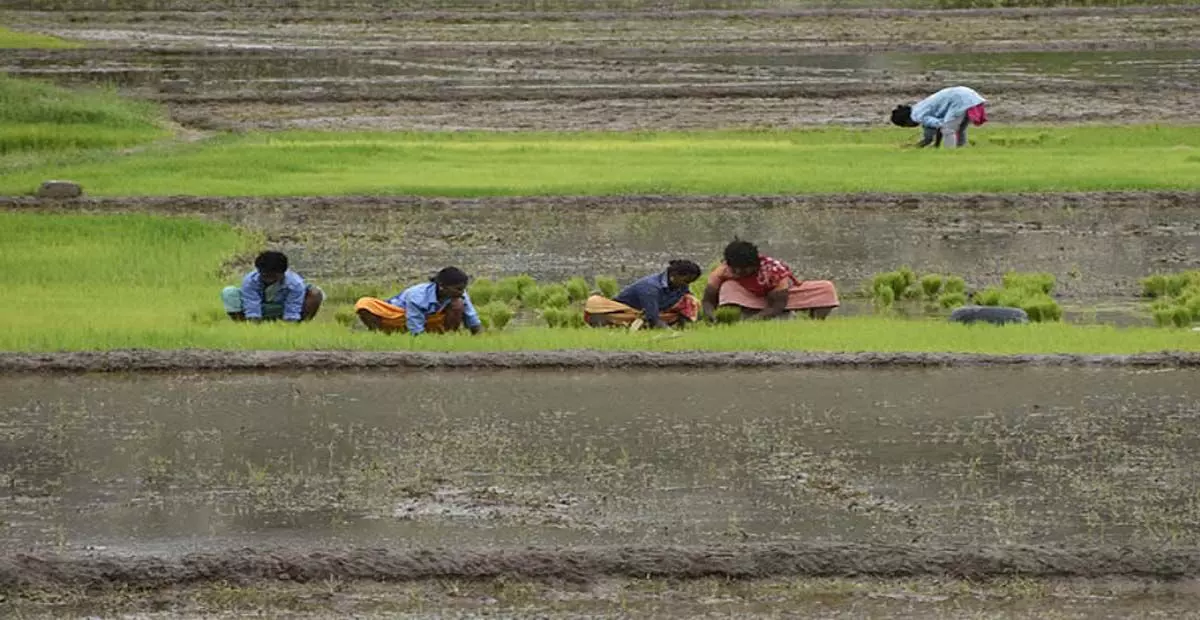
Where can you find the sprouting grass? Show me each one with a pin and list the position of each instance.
(12, 39)
(1007, 159)
(85, 282)
(76, 277)
(37, 117)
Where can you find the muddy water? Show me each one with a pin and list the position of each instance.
(170, 464)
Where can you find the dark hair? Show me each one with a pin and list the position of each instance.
(741, 254)
(451, 276)
(902, 116)
(271, 262)
(685, 268)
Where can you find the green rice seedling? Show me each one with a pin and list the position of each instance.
(577, 289)
(1037, 282)
(1181, 316)
(1154, 286)
(727, 315)
(1177, 283)
(908, 277)
(954, 284)
(555, 299)
(608, 286)
(482, 291)
(950, 301)
(1164, 317)
(499, 314)
(884, 297)
(931, 285)
(989, 296)
(531, 297)
(554, 296)
(525, 282)
(892, 280)
(208, 316)
(555, 317)
(1041, 308)
(346, 317)
(1193, 306)
(508, 289)
(575, 319)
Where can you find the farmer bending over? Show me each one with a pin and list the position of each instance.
(660, 300)
(440, 305)
(763, 287)
(272, 292)
(944, 116)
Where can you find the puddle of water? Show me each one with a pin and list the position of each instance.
(177, 463)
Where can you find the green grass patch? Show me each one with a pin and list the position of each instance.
(39, 118)
(13, 39)
(1007, 159)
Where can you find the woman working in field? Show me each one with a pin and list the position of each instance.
(944, 116)
(763, 287)
(661, 300)
(440, 305)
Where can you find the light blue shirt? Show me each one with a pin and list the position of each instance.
(289, 291)
(948, 103)
(421, 301)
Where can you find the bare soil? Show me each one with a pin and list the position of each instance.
(353, 67)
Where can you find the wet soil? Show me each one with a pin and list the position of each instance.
(1069, 462)
(657, 68)
(1098, 245)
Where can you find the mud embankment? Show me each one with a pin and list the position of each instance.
(733, 562)
(195, 360)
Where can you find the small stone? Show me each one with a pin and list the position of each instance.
(996, 315)
(60, 189)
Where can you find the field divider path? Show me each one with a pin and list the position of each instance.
(581, 564)
(218, 361)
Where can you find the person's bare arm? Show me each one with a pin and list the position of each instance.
(776, 305)
(708, 305)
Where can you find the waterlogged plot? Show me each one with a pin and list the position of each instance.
(1033, 456)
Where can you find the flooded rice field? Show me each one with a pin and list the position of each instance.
(796, 478)
(168, 464)
(1097, 245)
(351, 65)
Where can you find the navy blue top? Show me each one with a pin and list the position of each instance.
(651, 294)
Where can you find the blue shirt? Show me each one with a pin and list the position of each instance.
(651, 294)
(421, 301)
(944, 105)
(289, 291)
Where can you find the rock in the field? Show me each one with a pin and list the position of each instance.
(60, 189)
(996, 315)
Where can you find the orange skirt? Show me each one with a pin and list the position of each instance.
(804, 296)
(396, 318)
(619, 314)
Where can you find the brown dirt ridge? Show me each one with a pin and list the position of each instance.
(198, 360)
(582, 564)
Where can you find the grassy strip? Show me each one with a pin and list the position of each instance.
(75, 282)
(12, 39)
(38, 118)
(1007, 159)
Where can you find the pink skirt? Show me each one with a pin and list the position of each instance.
(804, 296)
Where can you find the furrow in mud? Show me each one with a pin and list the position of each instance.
(734, 562)
(220, 361)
